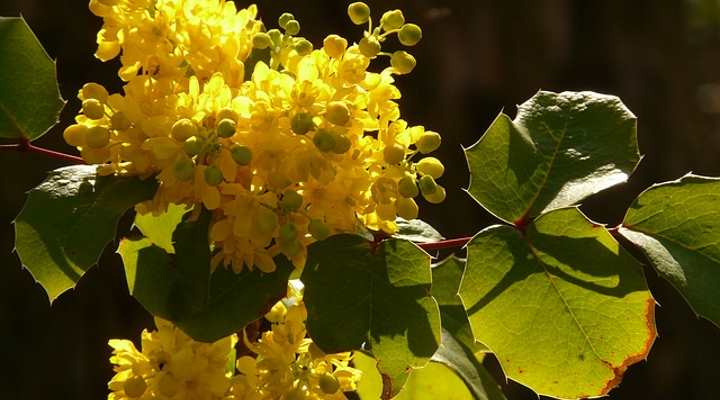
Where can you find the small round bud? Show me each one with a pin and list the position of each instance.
(93, 109)
(193, 146)
(430, 166)
(296, 394)
(407, 187)
(318, 229)
(410, 35)
(328, 383)
(261, 40)
(284, 19)
(183, 129)
(266, 220)
(342, 144)
(292, 27)
(428, 142)
(369, 46)
(227, 113)
(134, 386)
(213, 175)
(324, 140)
(242, 155)
(75, 135)
(403, 62)
(288, 232)
(337, 112)
(302, 123)
(427, 185)
(275, 36)
(226, 128)
(335, 46)
(94, 91)
(359, 13)
(392, 20)
(394, 154)
(184, 169)
(437, 197)
(407, 208)
(97, 137)
(303, 47)
(291, 201)
(120, 121)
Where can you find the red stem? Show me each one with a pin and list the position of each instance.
(25, 145)
(445, 244)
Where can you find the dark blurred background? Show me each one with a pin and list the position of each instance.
(478, 57)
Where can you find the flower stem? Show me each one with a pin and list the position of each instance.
(26, 146)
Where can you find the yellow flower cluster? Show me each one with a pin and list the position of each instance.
(287, 364)
(286, 144)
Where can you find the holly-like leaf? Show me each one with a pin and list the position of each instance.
(30, 100)
(69, 219)
(159, 229)
(565, 309)
(677, 226)
(447, 275)
(182, 287)
(357, 294)
(416, 230)
(560, 149)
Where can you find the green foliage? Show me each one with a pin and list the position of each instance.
(677, 226)
(69, 219)
(30, 100)
(358, 294)
(416, 230)
(560, 149)
(158, 229)
(184, 289)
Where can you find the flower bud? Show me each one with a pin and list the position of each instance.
(407, 187)
(213, 175)
(291, 201)
(407, 208)
(403, 62)
(337, 112)
(392, 20)
(288, 232)
(120, 121)
(183, 129)
(284, 19)
(303, 47)
(265, 220)
(97, 137)
(184, 169)
(324, 140)
(410, 35)
(275, 36)
(134, 386)
(427, 185)
(359, 13)
(302, 123)
(75, 135)
(318, 229)
(227, 113)
(369, 46)
(242, 155)
(226, 128)
(328, 383)
(335, 46)
(193, 146)
(437, 197)
(428, 142)
(261, 40)
(296, 393)
(430, 166)
(342, 144)
(93, 109)
(394, 154)
(94, 91)
(292, 28)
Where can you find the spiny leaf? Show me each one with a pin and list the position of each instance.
(677, 226)
(356, 294)
(69, 219)
(183, 288)
(159, 229)
(560, 149)
(416, 230)
(565, 309)
(30, 100)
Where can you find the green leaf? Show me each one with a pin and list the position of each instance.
(560, 149)
(446, 283)
(677, 226)
(69, 219)
(435, 381)
(465, 363)
(182, 287)
(565, 309)
(416, 230)
(159, 228)
(30, 100)
(358, 295)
